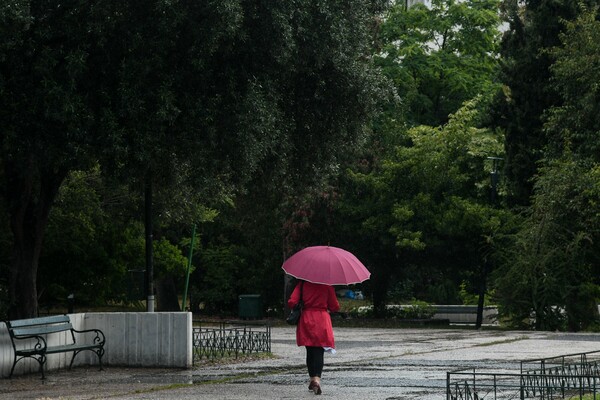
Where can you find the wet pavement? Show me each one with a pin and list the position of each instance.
(370, 364)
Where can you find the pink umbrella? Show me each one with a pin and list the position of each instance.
(326, 265)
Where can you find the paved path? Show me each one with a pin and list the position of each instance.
(369, 364)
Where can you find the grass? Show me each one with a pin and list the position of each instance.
(505, 341)
(229, 360)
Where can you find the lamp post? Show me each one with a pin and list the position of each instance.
(149, 249)
(494, 179)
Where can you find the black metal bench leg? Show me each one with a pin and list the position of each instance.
(42, 361)
(73, 358)
(13, 368)
(100, 353)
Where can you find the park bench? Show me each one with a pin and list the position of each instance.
(29, 338)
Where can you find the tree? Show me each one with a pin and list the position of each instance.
(547, 276)
(574, 125)
(439, 56)
(534, 28)
(329, 91)
(426, 212)
(76, 244)
(552, 271)
(209, 95)
(96, 240)
(46, 116)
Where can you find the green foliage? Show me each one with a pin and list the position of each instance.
(391, 200)
(401, 292)
(574, 125)
(168, 259)
(202, 100)
(95, 246)
(79, 231)
(440, 175)
(47, 116)
(528, 93)
(220, 278)
(439, 56)
(424, 216)
(241, 113)
(443, 290)
(468, 297)
(548, 270)
(313, 79)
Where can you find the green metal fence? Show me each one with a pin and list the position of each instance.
(572, 376)
(231, 339)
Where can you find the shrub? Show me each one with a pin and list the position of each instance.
(415, 310)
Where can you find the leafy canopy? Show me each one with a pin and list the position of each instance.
(439, 56)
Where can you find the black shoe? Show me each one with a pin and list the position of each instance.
(316, 388)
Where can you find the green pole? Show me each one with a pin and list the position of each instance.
(189, 266)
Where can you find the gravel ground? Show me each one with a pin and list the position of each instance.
(369, 364)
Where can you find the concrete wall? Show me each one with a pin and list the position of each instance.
(459, 314)
(455, 314)
(468, 314)
(132, 339)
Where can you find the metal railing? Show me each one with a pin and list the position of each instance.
(475, 385)
(230, 339)
(570, 364)
(570, 376)
(563, 374)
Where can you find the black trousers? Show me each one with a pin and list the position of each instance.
(314, 360)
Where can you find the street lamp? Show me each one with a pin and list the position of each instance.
(494, 178)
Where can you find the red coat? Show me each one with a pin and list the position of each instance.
(314, 328)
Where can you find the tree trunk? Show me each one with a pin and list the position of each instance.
(380, 286)
(166, 295)
(481, 300)
(22, 281)
(29, 195)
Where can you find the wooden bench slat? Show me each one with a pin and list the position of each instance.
(42, 330)
(54, 319)
(60, 349)
(28, 352)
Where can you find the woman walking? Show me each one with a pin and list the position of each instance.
(314, 330)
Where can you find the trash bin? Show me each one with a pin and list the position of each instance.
(250, 306)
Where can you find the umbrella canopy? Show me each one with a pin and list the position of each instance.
(326, 265)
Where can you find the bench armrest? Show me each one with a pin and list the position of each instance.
(40, 344)
(98, 339)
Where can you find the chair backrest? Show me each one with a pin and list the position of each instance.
(39, 326)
